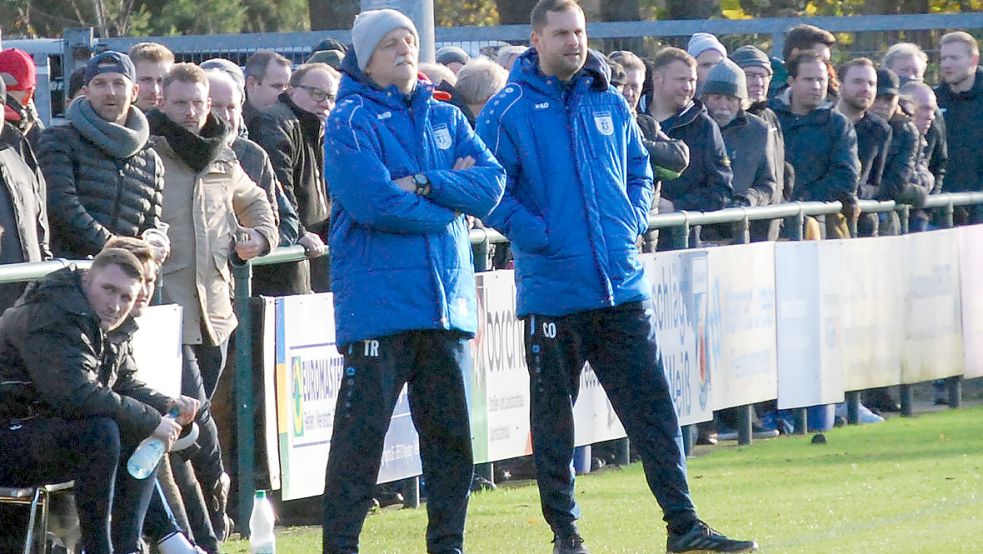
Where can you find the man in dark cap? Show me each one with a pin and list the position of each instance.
(453, 57)
(103, 177)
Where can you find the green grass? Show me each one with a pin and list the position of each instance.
(907, 485)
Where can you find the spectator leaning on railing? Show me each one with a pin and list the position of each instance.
(404, 170)
(577, 199)
(103, 176)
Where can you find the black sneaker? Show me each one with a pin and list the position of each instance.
(571, 544)
(702, 538)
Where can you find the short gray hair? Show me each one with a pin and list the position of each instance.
(505, 53)
(438, 73)
(479, 80)
(903, 50)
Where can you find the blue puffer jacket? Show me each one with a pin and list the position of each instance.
(399, 261)
(578, 191)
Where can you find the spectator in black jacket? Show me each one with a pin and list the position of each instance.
(706, 184)
(960, 97)
(292, 133)
(820, 143)
(23, 217)
(70, 406)
(909, 62)
(924, 108)
(859, 88)
(267, 76)
(900, 182)
(103, 178)
(749, 142)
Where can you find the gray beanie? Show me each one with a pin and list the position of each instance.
(450, 54)
(370, 26)
(726, 78)
(749, 56)
(701, 42)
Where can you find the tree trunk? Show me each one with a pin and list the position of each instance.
(333, 14)
(514, 12)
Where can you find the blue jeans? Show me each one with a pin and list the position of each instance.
(431, 362)
(619, 343)
(90, 452)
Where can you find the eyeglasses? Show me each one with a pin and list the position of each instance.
(317, 94)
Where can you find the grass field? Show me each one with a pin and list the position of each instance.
(905, 486)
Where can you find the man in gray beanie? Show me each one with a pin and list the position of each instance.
(758, 73)
(405, 169)
(708, 52)
(453, 57)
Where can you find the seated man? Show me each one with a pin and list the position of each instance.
(70, 407)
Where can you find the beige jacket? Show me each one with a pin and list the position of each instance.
(204, 211)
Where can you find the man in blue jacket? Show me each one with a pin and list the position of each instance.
(404, 169)
(577, 198)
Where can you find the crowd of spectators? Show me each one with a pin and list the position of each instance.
(229, 163)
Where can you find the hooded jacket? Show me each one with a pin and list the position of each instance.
(707, 184)
(963, 114)
(578, 191)
(103, 179)
(402, 261)
(55, 361)
(822, 148)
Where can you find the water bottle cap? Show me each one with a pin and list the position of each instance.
(260, 495)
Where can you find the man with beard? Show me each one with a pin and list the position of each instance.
(960, 97)
(820, 142)
(577, 198)
(151, 62)
(103, 176)
(857, 92)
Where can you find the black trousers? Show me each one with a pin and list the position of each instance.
(431, 362)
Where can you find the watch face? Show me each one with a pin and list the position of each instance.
(420, 179)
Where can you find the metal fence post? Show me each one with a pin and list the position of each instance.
(954, 384)
(245, 421)
(411, 492)
(853, 407)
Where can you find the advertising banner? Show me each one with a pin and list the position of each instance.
(679, 308)
(593, 414)
(309, 371)
(808, 336)
(971, 286)
(933, 338)
(863, 277)
(499, 398)
(157, 349)
(742, 353)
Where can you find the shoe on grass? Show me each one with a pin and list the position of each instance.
(570, 544)
(703, 538)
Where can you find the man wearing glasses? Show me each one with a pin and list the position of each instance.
(292, 133)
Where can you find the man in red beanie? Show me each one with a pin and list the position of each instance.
(18, 73)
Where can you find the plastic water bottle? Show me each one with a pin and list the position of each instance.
(145, 458)
(261, 539)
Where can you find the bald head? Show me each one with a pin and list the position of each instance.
(226, 100)
(925, 105)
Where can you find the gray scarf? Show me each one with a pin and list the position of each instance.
(119, 141)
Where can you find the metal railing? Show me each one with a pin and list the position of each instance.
(677, 223)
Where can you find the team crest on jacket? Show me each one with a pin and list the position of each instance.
(604, 122)
(442, 135)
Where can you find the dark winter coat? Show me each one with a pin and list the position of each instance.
(706, 185)
(103, 179)
(55, 361)
(873, 142)
(964, 134)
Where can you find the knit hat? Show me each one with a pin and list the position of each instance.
(887, 82)
(330, 57)
(17, 68)
(369, 28)
(451, 54)
(726, 78)
(749, 56)
(701, 42)
(328, 44)
(110, 62)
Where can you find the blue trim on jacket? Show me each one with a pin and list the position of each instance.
(578, 188)
(400, 261)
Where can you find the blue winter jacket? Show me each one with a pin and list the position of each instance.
(401, 261)
(578, 190)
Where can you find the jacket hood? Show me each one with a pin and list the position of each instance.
(526, 70)
(355, 81)
(686, 116)
(63, 288)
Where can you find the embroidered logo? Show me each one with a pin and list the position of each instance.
(384, 115)
(542, 105)
(442, 135)
(604, 122)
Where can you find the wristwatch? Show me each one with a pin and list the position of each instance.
(422, 184)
